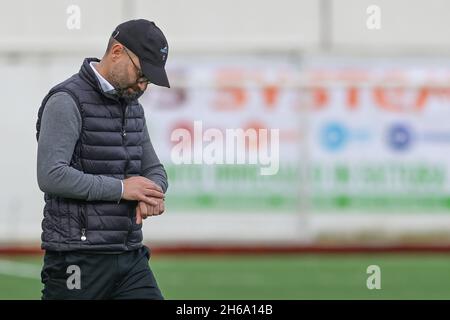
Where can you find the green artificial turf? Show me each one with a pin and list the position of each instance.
(308, 276)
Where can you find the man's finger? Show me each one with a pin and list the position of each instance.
(148, 200)
(161, 207)
(152, 185)
(144, 210)
(154, 193)
(156, 210)
(151, 210)
(156, 186)
(138, 214)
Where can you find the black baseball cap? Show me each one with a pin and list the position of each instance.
(149, 44)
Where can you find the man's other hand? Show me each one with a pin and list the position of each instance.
(142, 189)
(144, 210)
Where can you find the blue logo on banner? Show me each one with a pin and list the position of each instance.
(334, 136)
(399, 137)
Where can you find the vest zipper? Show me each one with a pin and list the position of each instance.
(84, 223)
(83, 234)
(124, 134)
(124, 114)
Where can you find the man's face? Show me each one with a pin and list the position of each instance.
(125, 75)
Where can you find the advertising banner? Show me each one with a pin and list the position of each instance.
(351, 136)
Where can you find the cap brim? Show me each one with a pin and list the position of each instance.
(156, 75)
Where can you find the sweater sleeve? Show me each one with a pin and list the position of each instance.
(59, 132)
(151, 166)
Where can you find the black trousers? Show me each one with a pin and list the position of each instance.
(82, 275)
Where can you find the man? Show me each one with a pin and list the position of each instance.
(99, 171)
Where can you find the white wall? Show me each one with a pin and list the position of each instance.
(201, 26)
(406, 25)
(233, 25)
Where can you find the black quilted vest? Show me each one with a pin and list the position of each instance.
(110, 144)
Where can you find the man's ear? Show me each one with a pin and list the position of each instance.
(116, 51)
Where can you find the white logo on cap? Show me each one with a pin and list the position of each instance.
(163, 50)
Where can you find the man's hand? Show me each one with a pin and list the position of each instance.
(142, 189)
(143, 210)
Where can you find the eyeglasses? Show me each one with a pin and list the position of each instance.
(141, 78)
